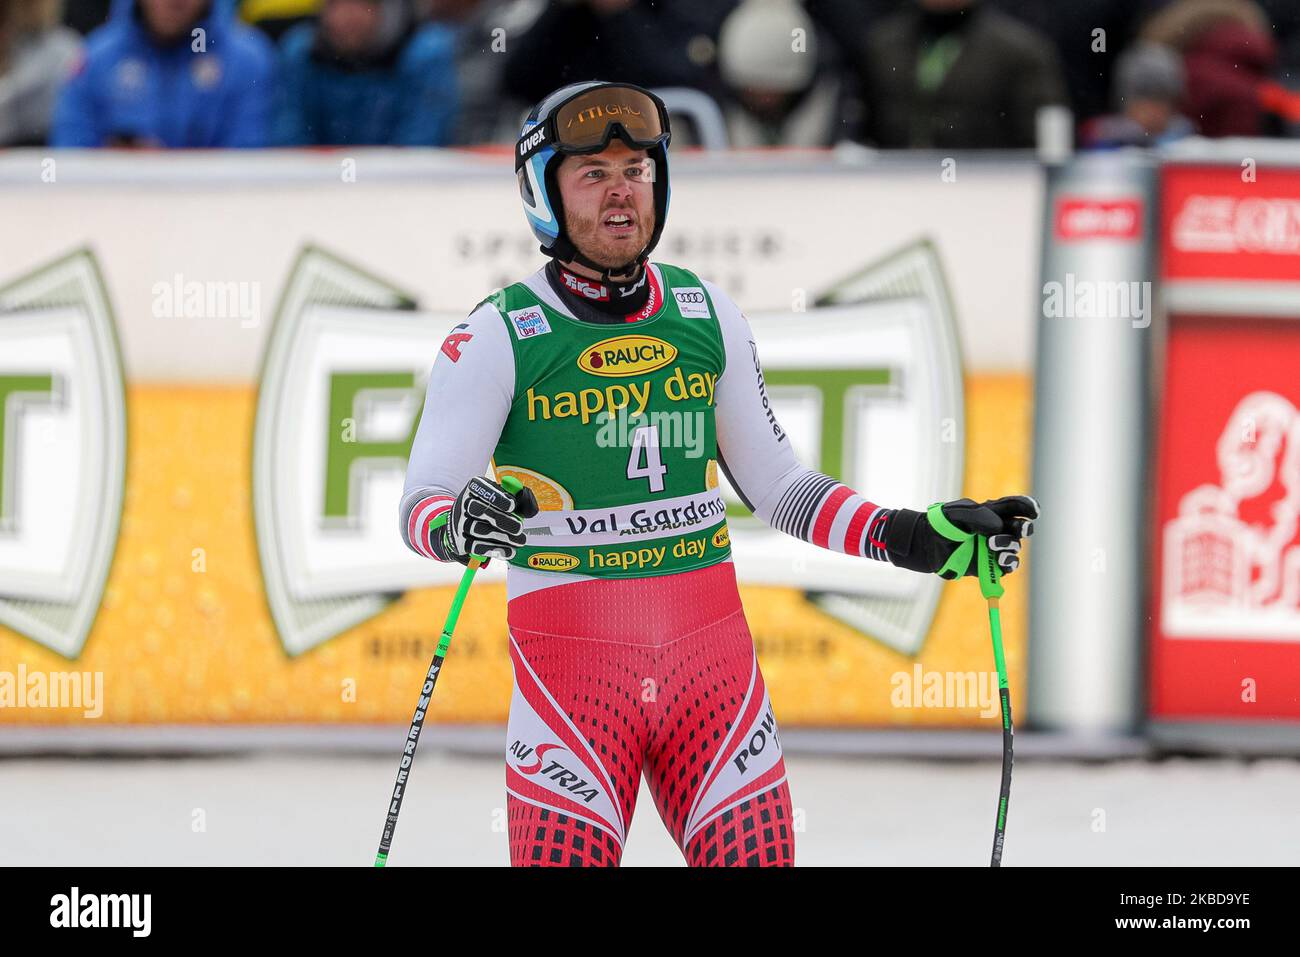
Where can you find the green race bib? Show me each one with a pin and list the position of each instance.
(612, 427)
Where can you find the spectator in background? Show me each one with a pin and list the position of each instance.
(483, 29)
(86, 15)
(842, 30)
(169, 73)
(652, 44)
(1284, 18)
(1148, 89)
(957, 74)
(768, 55)
(1088, 38)
(368, 74)
(276, 17)
(1228, 56)
(35, 56)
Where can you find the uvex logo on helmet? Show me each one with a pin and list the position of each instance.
(526, 146)
(626, 355)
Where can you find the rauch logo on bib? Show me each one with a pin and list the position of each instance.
(626, 355)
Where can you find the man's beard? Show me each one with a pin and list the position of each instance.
(609, 253)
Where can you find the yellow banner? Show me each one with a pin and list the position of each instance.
(184, 634)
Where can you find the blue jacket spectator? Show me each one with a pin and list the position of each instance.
(169, 73)
(368, 74)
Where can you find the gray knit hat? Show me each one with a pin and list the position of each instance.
(1148, 71)
(759, 48)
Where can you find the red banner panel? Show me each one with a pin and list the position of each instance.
(1231, 223)
(1226, 640)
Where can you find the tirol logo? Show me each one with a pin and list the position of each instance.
(63, 429)
(553, 561)
(1086, 218)
(626, 355)
(721, 538)
(595, 291)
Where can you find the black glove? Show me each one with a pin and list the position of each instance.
(483, 521)
(913, 544)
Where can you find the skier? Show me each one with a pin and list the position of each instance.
(614, 388)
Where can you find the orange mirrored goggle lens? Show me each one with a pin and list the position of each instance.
(586, 121)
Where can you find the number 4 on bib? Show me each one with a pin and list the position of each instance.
(646, 440)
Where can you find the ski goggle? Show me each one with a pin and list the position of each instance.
(587, 121)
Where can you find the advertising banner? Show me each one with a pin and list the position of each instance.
(1226, 627)
(223, 550)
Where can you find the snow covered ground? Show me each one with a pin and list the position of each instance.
(329, 810)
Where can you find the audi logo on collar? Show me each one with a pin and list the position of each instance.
(689, 296)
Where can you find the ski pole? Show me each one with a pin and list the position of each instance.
(511, 485)
(990, 579)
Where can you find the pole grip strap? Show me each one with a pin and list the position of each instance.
(959, 560)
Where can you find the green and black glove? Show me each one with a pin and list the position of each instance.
(483, 522)
(918, 542)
